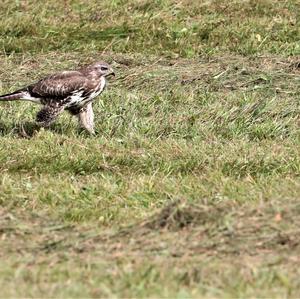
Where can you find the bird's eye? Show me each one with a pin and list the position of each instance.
(104, 68)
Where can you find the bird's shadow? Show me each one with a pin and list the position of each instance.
(21, 130)
(29, 129)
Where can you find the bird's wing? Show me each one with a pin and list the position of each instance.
(59, 85)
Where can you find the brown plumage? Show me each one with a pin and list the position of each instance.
(73, 91)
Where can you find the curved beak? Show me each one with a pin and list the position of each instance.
(111, 73)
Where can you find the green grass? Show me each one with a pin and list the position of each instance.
(186, 28)
(190, 187)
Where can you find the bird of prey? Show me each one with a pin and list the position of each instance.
(73, 91)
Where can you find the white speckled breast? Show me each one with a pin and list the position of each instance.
(99, 88)
(78, 98)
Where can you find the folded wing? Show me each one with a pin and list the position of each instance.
(60, 85)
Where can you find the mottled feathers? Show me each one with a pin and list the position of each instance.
(73, 91)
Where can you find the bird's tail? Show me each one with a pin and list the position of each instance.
(14, 96)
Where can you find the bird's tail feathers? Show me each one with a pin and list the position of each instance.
(14, 96)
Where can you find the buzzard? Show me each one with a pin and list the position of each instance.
(73, 91)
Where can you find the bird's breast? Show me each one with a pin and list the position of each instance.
(81, 97)
(98, 88)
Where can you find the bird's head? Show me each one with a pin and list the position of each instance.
(100, 69)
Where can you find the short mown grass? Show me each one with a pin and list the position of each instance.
(190, 187)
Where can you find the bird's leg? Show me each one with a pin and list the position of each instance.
(48, 114)
(86, 118)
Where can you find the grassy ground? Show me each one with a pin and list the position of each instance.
(191, 186)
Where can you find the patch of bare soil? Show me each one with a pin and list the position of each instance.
(180, 231)
(159, 74)
(183, 229)
(216, 74)
(261, 226)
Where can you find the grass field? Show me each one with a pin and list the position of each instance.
(191, 186)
